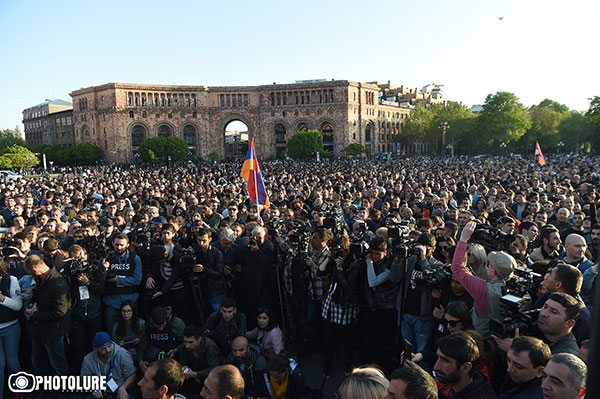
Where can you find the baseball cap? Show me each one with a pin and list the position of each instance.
(503, 263)
(101, 339)
(158, 315)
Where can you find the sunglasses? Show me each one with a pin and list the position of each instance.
(451, 323)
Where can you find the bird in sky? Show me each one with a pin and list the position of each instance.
(501, 18)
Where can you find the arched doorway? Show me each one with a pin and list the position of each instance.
(189, 136)
(138, 134)
(280, 141)
(327, 133)
(236, 139)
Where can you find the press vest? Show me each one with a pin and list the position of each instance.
(121, 267)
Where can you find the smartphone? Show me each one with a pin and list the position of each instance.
(407, 350)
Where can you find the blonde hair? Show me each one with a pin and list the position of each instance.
(480, 268)
(364, 383)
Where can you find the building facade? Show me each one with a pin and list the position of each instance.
(117, 117)
(49, 123)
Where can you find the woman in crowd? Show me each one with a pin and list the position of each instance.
(10, 330)
(267, 334)
(130, 330)
(477, 260)
(364, 383)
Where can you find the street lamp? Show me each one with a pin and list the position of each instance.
(560, 146)
(503, 146)
(444, 126)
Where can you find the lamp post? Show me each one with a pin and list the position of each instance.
(560, 146)
(503, 146)
(444, 126)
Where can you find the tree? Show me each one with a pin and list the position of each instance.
(544, 125)
(305, 144)
(10, 137)
(575, 131)
(84, 154)
(503, 118)
(19, 157)
(417, 126)
(455, 118)
(213, 156)
(593, 115)
(553, 105)
(355, 149)
(159, 149)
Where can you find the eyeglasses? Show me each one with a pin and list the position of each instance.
(469, 253)
(451, 323)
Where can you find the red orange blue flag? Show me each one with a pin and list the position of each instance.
(251, 173)
(539, 155)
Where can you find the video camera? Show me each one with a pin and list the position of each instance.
(525, 281)
(75, 267)
(142, 235)
(492, 238)
(333, 219)
(439, 278)
(188, 257)
(514, 317)
(274, 226)
(302, 238)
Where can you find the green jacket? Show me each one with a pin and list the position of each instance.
(203, 360)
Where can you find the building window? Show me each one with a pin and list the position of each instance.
(170, 116)
(194, 114)
(280, 133)
(246, 100)
(368, 132)
(137, 135)
(222, 100)
(102, 100)
(228, 100)
(234, 100)
(272, 99)
(189, 135)
(164, 131)
(131, 114)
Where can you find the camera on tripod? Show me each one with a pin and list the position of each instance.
(188, 257)
(301, 240)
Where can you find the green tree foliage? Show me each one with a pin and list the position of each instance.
(575, 131)
(10, 137)
(355, 149)
(593, 115)
(456, 118)
(81, 154)
(544, 125)
(553, 105)
(158, 149)
(213, 156)
(416, 126)
(305, 144)
(5, 163)
(19, 157)
(503, 118)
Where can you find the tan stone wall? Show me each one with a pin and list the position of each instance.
(349, 114)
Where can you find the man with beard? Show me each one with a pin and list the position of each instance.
(198, 355)
(123, 277)
(248, 359)
(550, 248)
(456, 354)
(110, 360)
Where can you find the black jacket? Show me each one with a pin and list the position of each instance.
(53, 317)
(86, 309)
(526, 390)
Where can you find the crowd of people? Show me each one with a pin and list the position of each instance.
(455, 277)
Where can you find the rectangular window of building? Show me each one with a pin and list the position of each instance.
(222, 100)
(272, 99)
(234, 100)
(228, 100)
(245, 100)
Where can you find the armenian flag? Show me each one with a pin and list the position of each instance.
(539, 155)
(251, 173)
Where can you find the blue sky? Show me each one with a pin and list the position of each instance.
(541, 49)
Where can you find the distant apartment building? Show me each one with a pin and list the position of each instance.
(429, 95)
(49, 123)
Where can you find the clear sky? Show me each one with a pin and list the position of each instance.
(541, 49)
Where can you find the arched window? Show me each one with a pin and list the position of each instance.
(302, 127)
(368, 132)
(327, 133)
(137, 135)
(189, 135)
(164, 131)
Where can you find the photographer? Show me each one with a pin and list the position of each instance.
(486, 295)
(258, 278)
(415, 302)
(86, 282)
(15, 252)
(123, 277)
(340, 306)
(209, 265)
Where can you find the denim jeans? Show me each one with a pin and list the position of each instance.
(48, 354)
(9, 348)
(418, 331)
(215, 302)
(111, 316)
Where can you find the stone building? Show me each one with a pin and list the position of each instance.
(49, 123)
(118, 116)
